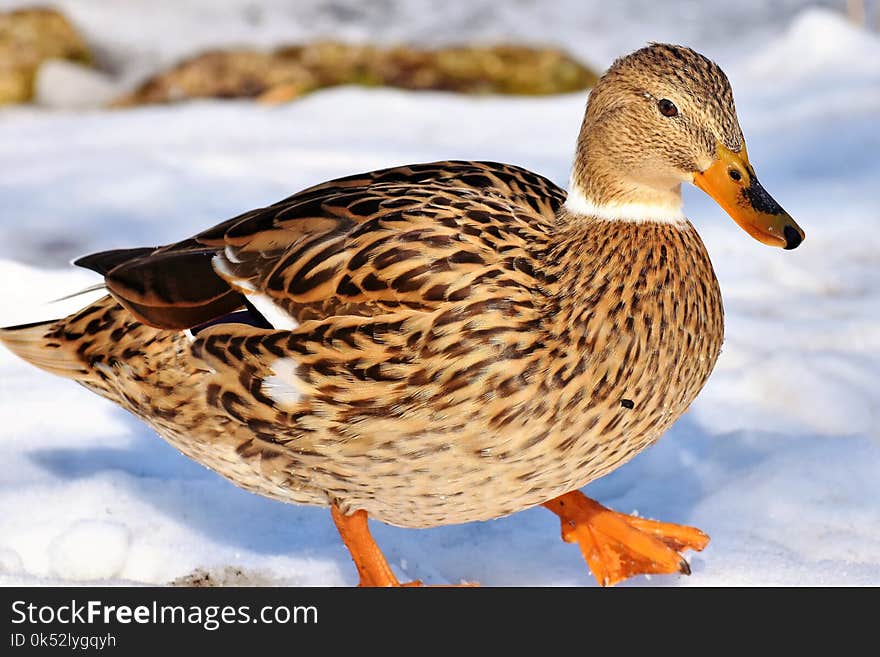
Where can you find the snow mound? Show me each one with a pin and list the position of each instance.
(818, 45)
(90, 550)
(63, 84)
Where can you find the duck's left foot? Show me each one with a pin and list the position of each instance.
(617, 546)
(371, 564)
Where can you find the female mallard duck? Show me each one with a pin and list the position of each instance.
(448, 342)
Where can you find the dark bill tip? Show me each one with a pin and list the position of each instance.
(792, 238)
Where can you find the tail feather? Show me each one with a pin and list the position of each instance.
(35, 344)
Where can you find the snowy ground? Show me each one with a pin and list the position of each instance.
(777, 460)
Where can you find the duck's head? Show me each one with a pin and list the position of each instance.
(661, 116)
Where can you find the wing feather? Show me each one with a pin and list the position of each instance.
(414, 238)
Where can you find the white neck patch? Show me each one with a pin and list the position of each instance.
(578, 203)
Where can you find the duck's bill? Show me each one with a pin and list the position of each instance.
(731, 181)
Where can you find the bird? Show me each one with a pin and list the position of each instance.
(446, 342)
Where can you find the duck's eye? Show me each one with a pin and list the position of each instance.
(667, 107)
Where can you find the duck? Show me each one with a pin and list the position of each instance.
(447, 342)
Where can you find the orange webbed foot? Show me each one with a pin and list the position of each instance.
(617, 546)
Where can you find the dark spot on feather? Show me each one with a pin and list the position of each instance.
(346, 335)
(366, 207)
(93, 326)
(494, 231)
(292, 261)
(301, 284)
(347, 288)
(85, 312)
(373, 284)
(475, 180)
(440, 241)
(393, 176)
(413, 235)
(229, 401)
(447, 318)
(627, 403)
(324, 367)
(408, 281)
(213, 346)
(419, 378)
(234, 346)
(393, 255)
(480, 216)
(435, 293)
(451, 386)
(524, 266)
(252, 344)
(271, 344)
(534, 203)
(212, 394)
(460, 294)
(413, 339)
(462, 257)
(395, 203)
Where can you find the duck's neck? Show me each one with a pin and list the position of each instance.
(603, 185)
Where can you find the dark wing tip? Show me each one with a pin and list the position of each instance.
(173, 289)
(104, 262)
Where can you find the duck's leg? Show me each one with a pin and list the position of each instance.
(617, 546)
(368, 558)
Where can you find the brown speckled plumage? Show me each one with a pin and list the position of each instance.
(458, 361)
(467, 343)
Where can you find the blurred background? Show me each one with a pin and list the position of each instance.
(136, 39)
(141, 122)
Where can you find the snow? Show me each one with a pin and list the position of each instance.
(62, 84)
(90, 550)
(777, 459)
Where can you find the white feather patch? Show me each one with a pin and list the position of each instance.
(268, 308)
(279, 319)
(282, 387)
(221, 266)
(577, 203)
(230, 255)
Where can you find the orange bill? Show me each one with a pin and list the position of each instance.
(732, 182)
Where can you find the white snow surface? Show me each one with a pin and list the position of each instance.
(777, 460)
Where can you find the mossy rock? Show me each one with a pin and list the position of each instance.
(28, 37)
(292, 71)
